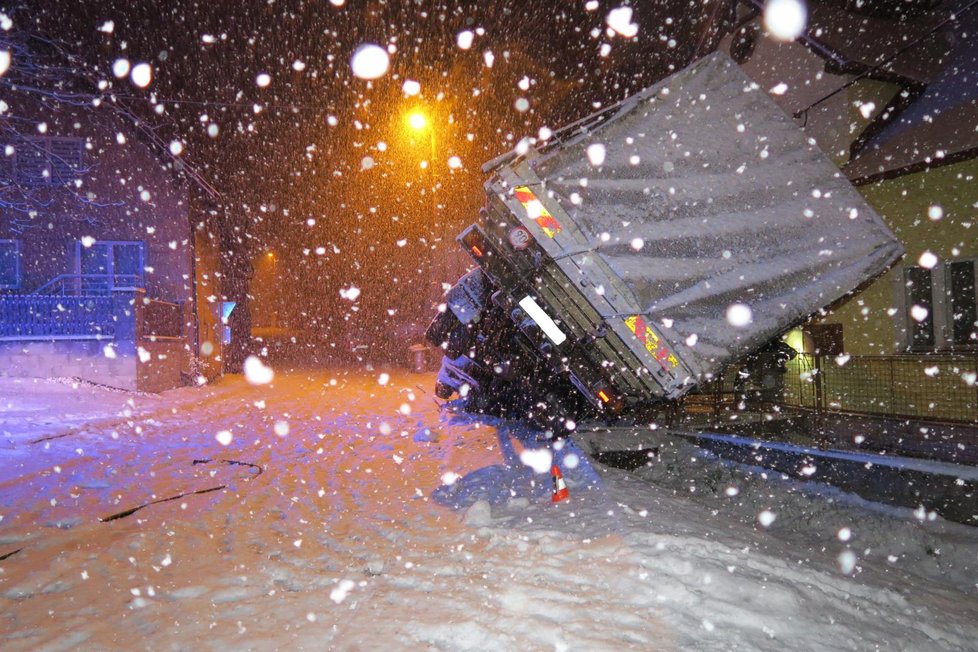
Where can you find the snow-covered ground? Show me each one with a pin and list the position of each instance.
(364, 517)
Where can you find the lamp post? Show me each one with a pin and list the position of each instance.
(420, 124)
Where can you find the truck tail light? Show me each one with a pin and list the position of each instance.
(474, 241)
(607, 396)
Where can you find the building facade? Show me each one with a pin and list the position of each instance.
(98, 273)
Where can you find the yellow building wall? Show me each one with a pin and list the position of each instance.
(873, 320)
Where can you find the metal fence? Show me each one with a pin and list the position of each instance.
(29, 316)
(75, 285)
(929, 387)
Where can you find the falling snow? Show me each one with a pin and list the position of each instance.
(225, 233)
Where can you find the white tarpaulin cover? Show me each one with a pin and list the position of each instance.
(700, 193)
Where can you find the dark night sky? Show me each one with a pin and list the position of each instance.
(285, 163)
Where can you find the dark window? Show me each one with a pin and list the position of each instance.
(48, 160)
(9, 264)
(964, 312)
(920, 298)
(121, 263)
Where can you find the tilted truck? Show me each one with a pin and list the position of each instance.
(638, 252)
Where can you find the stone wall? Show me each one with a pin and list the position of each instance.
(84, 359)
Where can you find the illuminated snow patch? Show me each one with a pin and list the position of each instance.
(370, 61)
(464, 39)
(256, 372)
(120, 68)
(596, 154)
(411, 87)
(739, 315)
(620, 21)
(540, 459)
(766, 517)
(785, 19)
(142, 75)
(543, 320)
(342, 590)
(224, 437)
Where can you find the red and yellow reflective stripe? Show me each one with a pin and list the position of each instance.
(537, 212)
(652, 343)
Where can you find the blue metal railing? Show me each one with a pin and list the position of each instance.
(33, 316)
(75, 285)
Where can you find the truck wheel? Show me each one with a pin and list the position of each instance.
(443, 391)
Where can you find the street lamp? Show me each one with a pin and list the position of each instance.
(417, 120)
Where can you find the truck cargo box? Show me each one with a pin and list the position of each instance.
(662, 239)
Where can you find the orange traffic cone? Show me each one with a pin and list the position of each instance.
(560, 488)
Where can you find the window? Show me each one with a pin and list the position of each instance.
(942, 306)
(963, 302)
(47, 160)
(9, 264)
(121, 261)
(920, 306)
